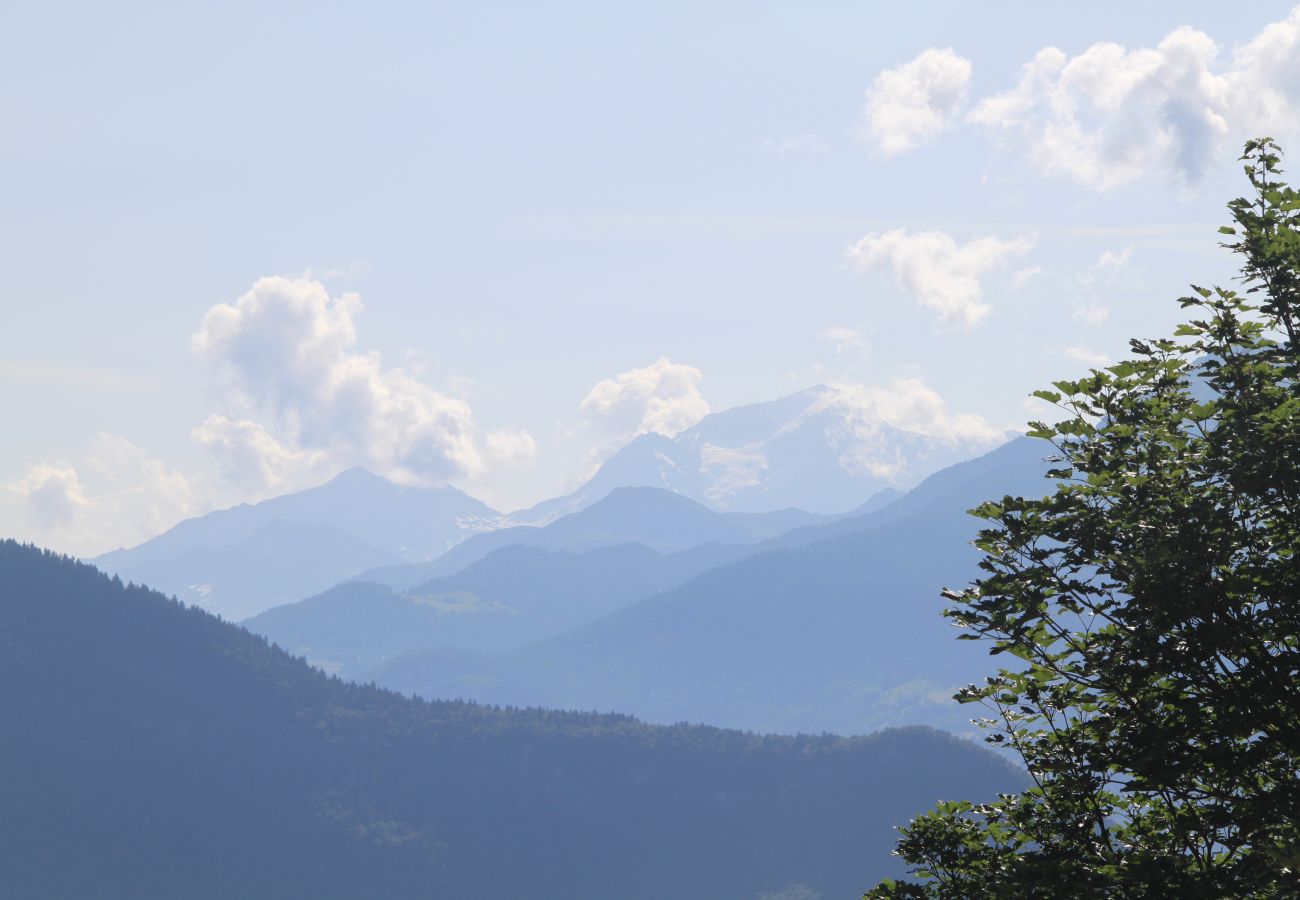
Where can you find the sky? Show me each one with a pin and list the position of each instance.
(245, 246)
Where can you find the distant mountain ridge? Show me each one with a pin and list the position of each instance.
(657, 519)
(516, 595)
(834, 627)
(224, 562)
(741, 475)
(830, 626)
(810, 451)
(503, 589)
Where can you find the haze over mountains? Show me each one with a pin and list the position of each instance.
(653, 518)
(767, 467)
(631, 597)
(172, 729)
(829, 627)
(814, 450)
(237, 562)
(153, 751)
(514, 596)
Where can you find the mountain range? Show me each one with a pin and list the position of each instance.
(514, 596)
(827, 627)
(764, 467)
(831, 628)
(153, 751)
(654, 518)
(237, 562)
(816, 450)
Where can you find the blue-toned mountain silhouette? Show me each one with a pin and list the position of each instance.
(833, 627)
(237, 562)
(153, 751)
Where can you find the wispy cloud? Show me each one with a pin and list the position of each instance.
(1080, 353)
(844, 339)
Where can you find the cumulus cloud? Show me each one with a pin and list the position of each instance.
(1111, 115)
(113, 494)
(907, 404)
(249, 457)
(52, 495)
(936, 270)
(910, 405)
(663, 397)
(1265, 74)
(288, 352)
(911, 103)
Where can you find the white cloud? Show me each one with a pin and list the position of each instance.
(1090, 313)
(1082, 354)
(1265, 74)
(251, 459)
(937, 271)
(509, 447)
(288, 351)
(115, 494)
(1022, 277)
(1109, 273)
(907, 404)
(911, 103)
(52, 495)
(1114, 260)
(663, 397)
(910, 405)
(809, 145)
(1110, 116)
(844, 339)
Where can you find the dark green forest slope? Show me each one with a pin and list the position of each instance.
(149, 750)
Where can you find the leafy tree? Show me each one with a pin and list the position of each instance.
(1152, 603)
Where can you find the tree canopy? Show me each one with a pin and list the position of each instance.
(1151, 605)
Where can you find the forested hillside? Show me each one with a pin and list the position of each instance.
(152, 751)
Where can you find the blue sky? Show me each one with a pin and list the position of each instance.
(247, 245)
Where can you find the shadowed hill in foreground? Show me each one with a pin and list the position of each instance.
(153, 751)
